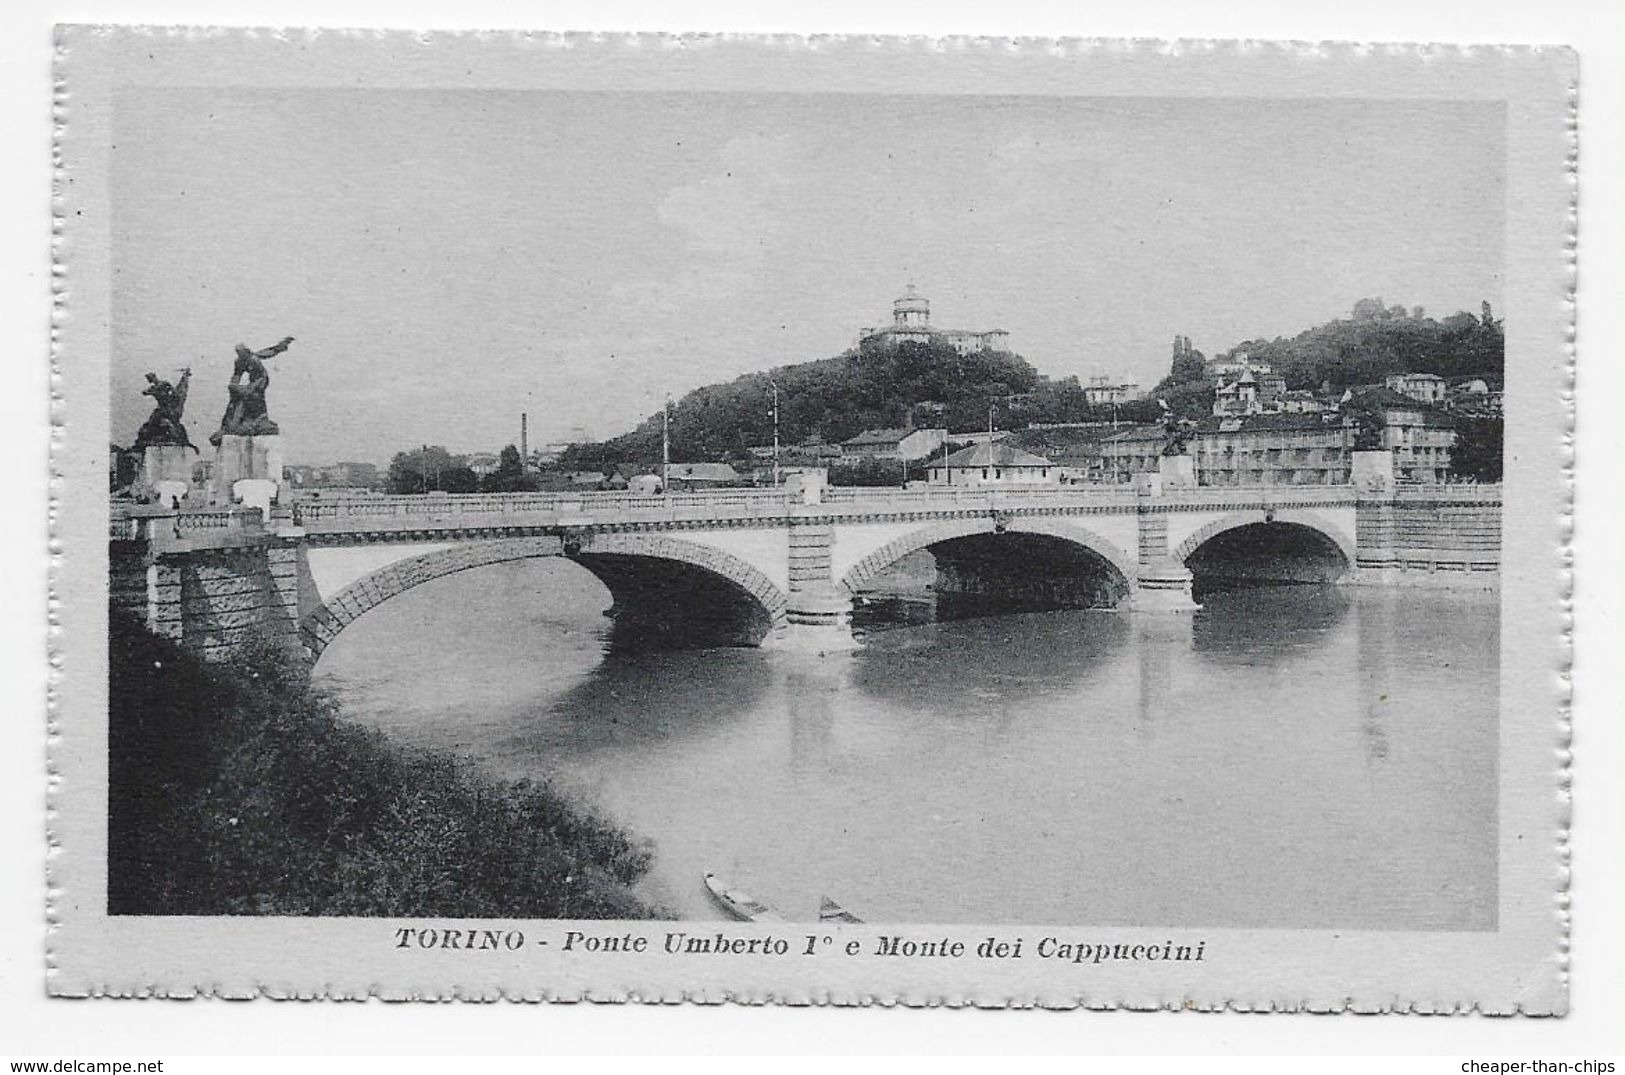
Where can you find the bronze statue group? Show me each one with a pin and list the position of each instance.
(246, 414)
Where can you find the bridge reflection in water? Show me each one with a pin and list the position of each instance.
(1288, 757)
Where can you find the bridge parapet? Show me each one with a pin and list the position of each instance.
(163, 529)
(767, 506)
(535, 509)
(971, 497)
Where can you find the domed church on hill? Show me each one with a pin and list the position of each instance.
(911, 322)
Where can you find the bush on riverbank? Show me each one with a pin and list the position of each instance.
(241, 791)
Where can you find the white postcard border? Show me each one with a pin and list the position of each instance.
(1520, 967)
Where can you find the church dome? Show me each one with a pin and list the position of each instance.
(912, 302)
(913, 310)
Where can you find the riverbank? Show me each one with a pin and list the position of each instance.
(242, 790)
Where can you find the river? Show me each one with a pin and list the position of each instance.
(1289, 757)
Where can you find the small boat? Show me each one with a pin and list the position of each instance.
(740, 904)
(830, 911)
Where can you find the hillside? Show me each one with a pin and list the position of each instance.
(931, 384)
(837, 398)
(1374, 341)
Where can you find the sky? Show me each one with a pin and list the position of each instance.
(448, 259)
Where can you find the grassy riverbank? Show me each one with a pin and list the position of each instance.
(241, 791)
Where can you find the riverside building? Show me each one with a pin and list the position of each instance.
(997, 463)
(1292, 448)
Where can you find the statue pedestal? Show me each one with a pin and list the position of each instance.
(239, 459)
(1177, 471)
(165, 472)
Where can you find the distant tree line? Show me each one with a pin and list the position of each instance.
(433, 469)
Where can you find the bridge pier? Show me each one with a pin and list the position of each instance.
(818, 614)
(1164, 582)
(819, 620)
(1164, 586)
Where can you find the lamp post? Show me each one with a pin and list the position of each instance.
(665, 448)
(775, 385)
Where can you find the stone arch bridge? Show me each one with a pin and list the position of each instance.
(774, 567)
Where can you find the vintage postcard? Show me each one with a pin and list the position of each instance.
(1069, 524)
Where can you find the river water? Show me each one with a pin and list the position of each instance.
(1289, 757)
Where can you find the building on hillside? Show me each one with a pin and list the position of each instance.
(811, 453)
(911, 323)
(1104, 391)
(1473, 398)
(1301, 401)
(545, 456)
(584, 480)
(483, 463)
(994, 464)
(1422, 387)
(979, 436)
(1237, 396)
(904, 444)
(1243, 386)
(1218, 367)
(1252, 391)
(685, 476)
(1419, 436)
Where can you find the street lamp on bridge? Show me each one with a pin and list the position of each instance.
(665, 447)
(775, 385)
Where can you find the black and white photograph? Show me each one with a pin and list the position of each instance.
(606, 465)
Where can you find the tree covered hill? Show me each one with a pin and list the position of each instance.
(1374, 341)
(930, 384)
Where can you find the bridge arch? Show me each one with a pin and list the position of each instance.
(1311, 520)
(1265, 547)
(948, 530)
(593, 551)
